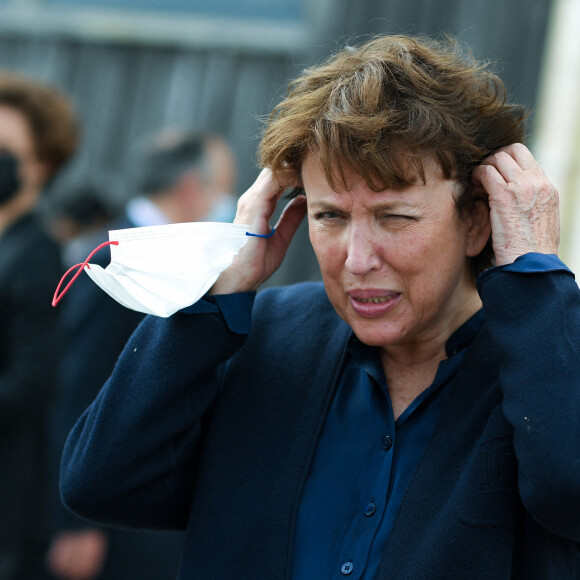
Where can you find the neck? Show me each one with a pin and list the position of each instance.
(406, 383)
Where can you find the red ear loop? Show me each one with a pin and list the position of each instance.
(57, 297)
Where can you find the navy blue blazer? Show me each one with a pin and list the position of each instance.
(209, 431)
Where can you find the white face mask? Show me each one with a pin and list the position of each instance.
(162, 269)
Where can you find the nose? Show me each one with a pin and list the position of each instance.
(363, 252)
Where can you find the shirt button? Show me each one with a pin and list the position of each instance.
(370, 509)
(347, 568)
(387, 442)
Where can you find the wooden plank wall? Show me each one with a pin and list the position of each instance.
(124, 91)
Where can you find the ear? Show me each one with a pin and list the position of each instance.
(479, 227)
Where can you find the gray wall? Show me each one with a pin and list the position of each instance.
(126, 89)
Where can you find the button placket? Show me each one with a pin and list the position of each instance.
(372, 491)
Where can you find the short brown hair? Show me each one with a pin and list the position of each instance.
(50, 116)
(391, 101)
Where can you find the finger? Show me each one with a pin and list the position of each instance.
(506, 165)
(512, 161)
(287, 178)
(266, 194)
(291, 218)
(488, 177)
(257, 205)
(266, 186)
(521, 155)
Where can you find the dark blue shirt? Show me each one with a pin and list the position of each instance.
(364, 463)
(365, 459)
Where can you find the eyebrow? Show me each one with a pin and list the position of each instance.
(388, 205)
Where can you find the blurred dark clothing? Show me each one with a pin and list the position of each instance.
(97, 329)
(30, 348)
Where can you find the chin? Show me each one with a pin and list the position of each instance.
(377, 336)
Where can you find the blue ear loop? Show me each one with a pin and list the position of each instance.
(262, 235)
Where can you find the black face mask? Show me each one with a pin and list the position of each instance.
(9, 179)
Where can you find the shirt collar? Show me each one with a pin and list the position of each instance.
(369, 361)
(464, 335)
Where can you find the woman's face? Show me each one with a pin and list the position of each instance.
(394, 263)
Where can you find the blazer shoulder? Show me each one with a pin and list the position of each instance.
(302, 291)
(299, 311)
(298, 301)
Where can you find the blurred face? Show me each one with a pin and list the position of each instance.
(16, 138)
(394, 263)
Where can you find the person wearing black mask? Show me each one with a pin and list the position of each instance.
(38, 134)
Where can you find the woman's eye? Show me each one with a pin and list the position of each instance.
(397, 217)
(327, 215)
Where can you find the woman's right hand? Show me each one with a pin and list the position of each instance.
(261, 257)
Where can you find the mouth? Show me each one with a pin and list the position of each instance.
(373, 303)
(372, 300)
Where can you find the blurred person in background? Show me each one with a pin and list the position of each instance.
(178, 176)
(78, 216)
(38, 135)
(182, 176)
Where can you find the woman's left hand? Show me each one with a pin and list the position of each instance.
(524, 206)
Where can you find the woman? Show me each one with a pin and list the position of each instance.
(397, 421)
